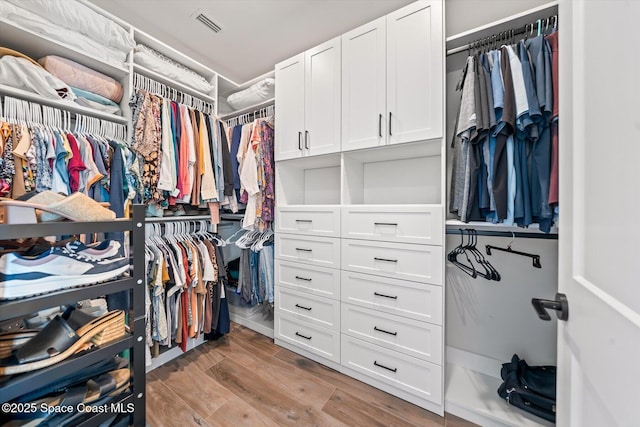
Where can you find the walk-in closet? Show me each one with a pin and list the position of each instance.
(319, 213)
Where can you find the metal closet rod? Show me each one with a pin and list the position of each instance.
(507, 35)
(512, 234)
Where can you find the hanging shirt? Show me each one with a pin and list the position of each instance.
(208, 190)
(168, 173)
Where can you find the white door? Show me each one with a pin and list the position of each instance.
(364, 86)
(290, 108)
(599, 345)
(322, 98)
(415, 72)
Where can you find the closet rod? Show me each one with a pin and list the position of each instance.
(179, 218)
(491, 233)
(470, 45)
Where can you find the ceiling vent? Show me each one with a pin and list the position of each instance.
(208, 22)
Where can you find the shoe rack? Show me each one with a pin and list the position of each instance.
(134, 341)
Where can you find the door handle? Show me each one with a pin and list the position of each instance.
(303, 307)
(385, 259)
(380, 125)
(375, 328)
(375, 362)
(306, 139)
(299, 140)
(298, 334)
(560, 305)
(390, 124)
(385, 296)
(306, 279)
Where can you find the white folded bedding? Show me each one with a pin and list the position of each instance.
(254, 94)
(73, 15)
(155, 61)
(25, 19)
(22, 74)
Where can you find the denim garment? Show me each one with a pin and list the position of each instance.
(267, 270)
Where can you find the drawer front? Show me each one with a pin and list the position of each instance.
(314, 280)
(417, 339)
(312, 221)
(419, 263)
(315, 339)
(415, 376)
(320, 311)
(409, 299)
(404, 224)
(323, 251)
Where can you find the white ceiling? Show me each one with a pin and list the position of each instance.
(256, 34)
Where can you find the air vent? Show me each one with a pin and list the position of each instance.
(208, 22)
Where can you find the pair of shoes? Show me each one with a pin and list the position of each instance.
(64, 336)
(60, 268)
(49, 206)
(96, 390)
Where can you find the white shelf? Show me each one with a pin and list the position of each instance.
(387, 153)
(174, 352)
(516, 21)
(488, 226)
(248, 109)
(172, 83)
(37, 46)
(61, 104)
(149, 41)
(474, 397)
(227, 86)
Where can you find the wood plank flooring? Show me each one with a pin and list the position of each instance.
(244, 379)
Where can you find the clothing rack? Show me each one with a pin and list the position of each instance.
(160, 89)
(512, 234)
(508, 37)
(180, 218)
(20, 111)
(250, 116)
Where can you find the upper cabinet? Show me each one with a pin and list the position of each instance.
(308, 103)
(393, 78)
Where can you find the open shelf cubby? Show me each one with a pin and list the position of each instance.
(309, 181)
(393, 174)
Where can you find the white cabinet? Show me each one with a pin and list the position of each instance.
(308, 103)
(392, 77)
(415, 72)
(290, 106)
(364, 79)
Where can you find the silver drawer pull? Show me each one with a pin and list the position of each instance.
(385, 259)
(375, 362)
(385, 296)
(304, 220)
(302, 336)
(303, 278)
(304, 250)
(375, 328)
(386, 223)
(303, 307)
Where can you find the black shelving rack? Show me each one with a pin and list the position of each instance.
(19, 385)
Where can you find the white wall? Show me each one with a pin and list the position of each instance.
(496, 319)
(463, 15)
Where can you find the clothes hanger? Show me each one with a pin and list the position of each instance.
(453, 258)
(535, 258)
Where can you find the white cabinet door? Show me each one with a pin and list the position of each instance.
(599, 344)
(290, 107)
(322, 99)
(364, 77)
(415, 72)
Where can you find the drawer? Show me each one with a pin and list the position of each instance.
(409, 299)
(315, 339)
(406, 373)
(421, 224)
(321, 281)
(309, 220)
(323, 251)
(419, 263)
(319, 311)
(408, 336)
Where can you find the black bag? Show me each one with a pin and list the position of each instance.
(531, 388)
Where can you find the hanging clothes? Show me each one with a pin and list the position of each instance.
(505, 139)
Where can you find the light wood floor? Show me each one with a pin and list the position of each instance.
(244, 379)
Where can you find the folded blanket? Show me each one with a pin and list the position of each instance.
(23, 74)
(77, 75)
